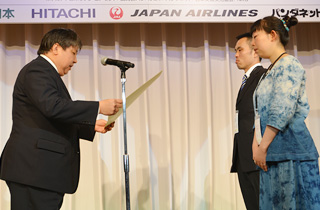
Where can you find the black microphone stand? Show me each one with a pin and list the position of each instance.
(123, 69)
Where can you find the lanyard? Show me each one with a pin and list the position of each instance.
(271, 65)
(263, 76)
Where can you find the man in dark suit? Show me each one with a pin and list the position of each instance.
(242, 162)
(41, 159)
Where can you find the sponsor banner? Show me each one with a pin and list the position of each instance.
(157, 2)
(129, 13)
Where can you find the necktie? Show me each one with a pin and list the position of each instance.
(244, 79)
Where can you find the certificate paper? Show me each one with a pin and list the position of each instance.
(130, 99)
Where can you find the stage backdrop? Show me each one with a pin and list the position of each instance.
(163, 11)
(180, 131)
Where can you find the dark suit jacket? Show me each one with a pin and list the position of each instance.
(43, 147)
(242, 148)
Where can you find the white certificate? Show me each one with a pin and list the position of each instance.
(130, 99)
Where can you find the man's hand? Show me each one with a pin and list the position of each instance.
(101, 126)
(110, 106)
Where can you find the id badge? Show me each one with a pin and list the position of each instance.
(236, 122)
(257, 128)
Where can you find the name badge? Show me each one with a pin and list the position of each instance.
(257, 128)
(236, 122)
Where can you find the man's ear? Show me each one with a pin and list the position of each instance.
(55, 48)
(255, 55)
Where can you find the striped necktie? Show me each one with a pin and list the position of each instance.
(244, 79)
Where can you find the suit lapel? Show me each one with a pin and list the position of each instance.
(246, 87)
(64, 86)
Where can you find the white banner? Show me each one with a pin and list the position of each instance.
(129, 11)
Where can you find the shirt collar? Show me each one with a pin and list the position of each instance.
(251, 69)
(50, 61)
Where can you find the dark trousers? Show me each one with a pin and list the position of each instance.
(249, 184)
(24, 197)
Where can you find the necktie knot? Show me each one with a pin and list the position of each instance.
(244, 79)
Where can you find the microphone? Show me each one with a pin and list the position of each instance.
(120, 64)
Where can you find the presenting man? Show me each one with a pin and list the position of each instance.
(41, 159)
(242, 163)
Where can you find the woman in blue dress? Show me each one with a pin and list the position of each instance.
(283, 147)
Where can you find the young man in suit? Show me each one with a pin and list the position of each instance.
(242, 162)
(41, 159)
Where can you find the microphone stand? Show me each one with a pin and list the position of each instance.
(123, 69)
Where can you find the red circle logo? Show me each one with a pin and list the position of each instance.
(116, 13)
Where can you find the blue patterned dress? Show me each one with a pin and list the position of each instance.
(292, 181)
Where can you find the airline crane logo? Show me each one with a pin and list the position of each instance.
(116, 13)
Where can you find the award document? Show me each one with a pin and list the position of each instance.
(131, 98)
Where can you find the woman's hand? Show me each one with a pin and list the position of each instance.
(259, 152)
(259, 158)
(258, 155)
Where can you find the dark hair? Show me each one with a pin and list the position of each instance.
(64, 37)
(245, 35)
(249, 38)
(281, 27)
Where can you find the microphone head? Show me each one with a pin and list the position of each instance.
(130, 65)
(104, 61)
